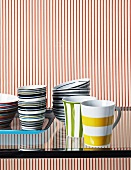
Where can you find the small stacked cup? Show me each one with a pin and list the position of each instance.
(32, 106)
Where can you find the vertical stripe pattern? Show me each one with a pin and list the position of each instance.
(73, 119)
(68, 163)
(50, 42)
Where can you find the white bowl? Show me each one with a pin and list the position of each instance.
(7, 98)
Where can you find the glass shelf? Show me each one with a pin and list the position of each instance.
(54, 142)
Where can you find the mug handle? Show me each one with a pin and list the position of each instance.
(118, 117)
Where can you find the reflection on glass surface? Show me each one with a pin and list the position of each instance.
(55, 138)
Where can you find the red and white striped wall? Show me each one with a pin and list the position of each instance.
(51, 41)
(70, 164)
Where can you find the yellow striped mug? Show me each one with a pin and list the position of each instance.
(98, 122)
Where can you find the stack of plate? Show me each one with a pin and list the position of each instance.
(80, 87)
(8, 109)
(32, 106)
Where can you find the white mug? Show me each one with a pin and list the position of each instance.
(98, 121)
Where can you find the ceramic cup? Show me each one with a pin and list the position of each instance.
(73, 119)
(98, 122)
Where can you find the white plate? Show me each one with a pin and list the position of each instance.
(71, 84)
(7, 98)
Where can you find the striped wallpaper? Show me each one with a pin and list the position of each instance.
(63, 164)
(53, 41)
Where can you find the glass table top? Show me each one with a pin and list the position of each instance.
(53, 141)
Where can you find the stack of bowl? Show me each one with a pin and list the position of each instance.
(8, 109)
(80, 87)
(32, 106)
